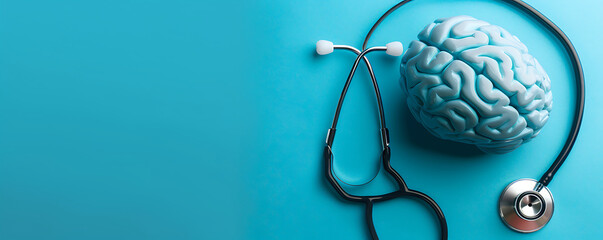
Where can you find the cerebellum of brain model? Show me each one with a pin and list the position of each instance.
(469, 81)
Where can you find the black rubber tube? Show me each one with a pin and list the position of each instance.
(403, 190)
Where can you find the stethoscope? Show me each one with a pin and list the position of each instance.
(525, 205)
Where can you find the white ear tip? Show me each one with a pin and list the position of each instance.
(324, 47)
(394, 48)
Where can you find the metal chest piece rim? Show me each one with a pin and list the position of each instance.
(524, 209)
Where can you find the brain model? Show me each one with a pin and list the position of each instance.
(472, 82)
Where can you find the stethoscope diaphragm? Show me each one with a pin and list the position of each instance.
(526, 207)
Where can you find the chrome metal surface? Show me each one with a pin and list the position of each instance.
(523, 209)
(530, 205)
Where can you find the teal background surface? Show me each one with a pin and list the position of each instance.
(206, 120)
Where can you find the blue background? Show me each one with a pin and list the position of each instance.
(206, 120)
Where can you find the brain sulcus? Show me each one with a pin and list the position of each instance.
(469, 81)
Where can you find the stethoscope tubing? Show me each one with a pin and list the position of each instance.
(403, 190)
(580, 89)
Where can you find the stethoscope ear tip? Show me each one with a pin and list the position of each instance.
(324, 47)
(394, 49)
(525, 206)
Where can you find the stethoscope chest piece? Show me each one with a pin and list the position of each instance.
(525, 207)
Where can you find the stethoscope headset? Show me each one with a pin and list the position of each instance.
(525, 205)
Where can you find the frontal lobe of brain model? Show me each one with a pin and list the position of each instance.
(472, 82)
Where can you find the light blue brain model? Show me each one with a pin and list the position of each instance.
(472, 82)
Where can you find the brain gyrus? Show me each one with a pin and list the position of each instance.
(472, 82)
